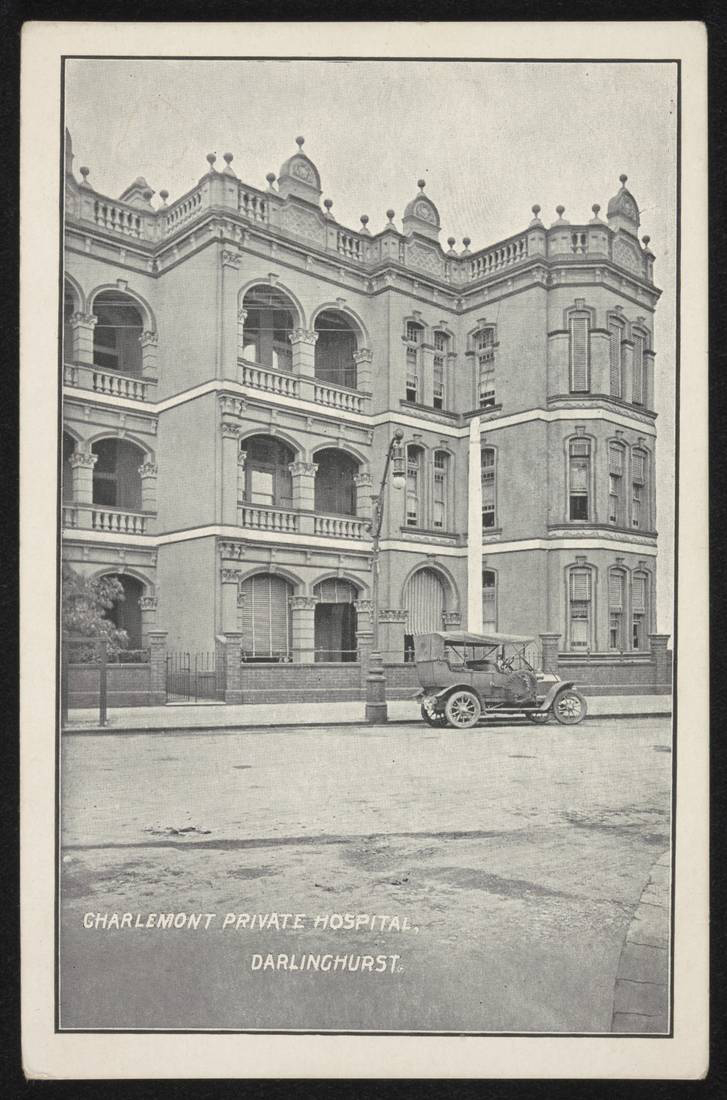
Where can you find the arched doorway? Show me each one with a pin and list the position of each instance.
(116, 477)
(270, 320)
(116, 335)
(425, 599)
(335, 488)
(335, 348)
(266, 619)
(268, 479)
(335, 620)
(125, 614)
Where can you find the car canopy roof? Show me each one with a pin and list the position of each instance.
(463, 637)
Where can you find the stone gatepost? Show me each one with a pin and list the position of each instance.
(83, 325)
(149, 343)
(549, 645)
(660, 659)
(392, 628)
(230, 583)
(302, 611)
(157, 642)
(230, 653)
(364, 369)
(364, 637)
(364, 497)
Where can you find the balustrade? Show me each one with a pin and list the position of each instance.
(273, 381)
(70, 515)
(120, 523)
(119, 219)
(348, 245)
(345, 400)
(253, 206)
(340, 527)
(181, 211)
(500, 256)
(108, 382)
(267, 519)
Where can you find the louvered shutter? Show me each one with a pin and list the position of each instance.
(615, 591)
(424, 600)
(616, 335)
(579, 354)
(265, 616)
(580, 584)
(638, 385)
(638, 594)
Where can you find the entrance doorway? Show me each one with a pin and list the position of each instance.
(335, 621)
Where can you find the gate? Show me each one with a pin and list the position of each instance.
(195, 677)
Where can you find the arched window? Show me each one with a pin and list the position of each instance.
(267, 328)
(580, 609)
(335, 488)
(579, 479)
(69, 308)
(616, 492)
(484, 341)
(616, 330)
(640, 595)
(335, 620)
(579, 351)
(116, 478)
(638, 387)
(489, 487)
(268, 479)
(439, 369)
(489, 600)
(126, 613)
(414, 486)
(440, 501)
(335, 349)
(424, 599)
(639, 489)
(616, 610)
(266, 619)
(69, 446)
(116, 335)
(414, 337)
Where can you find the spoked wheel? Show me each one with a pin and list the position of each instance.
(433, 719)
(539, 717)
(462, 709)
(570, 708)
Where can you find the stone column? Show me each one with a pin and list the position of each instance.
(157, 642)
(451, 619)
(82, 464)
(83, 325)
(149, 343)
(660, 659)
(364, 638)
(549, 644)
(364, 369)
(232, 410)
(241, 318)
(230, 259)
(230, 582)
(241, 485)
(304, 344)
(302, 610)
(364, 496)
(392, 628)
(230, 653)
(148, 605)
(304, 489)
(148, 473)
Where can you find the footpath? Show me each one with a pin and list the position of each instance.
(221, 716)
(641, 994)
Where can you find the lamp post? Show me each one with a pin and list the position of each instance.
(376, 710)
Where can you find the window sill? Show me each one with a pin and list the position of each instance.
(444, 414)
(491, 532)
(436, 533)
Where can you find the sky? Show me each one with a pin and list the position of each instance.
(490, 139)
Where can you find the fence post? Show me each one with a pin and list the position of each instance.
(102, 682)
(158, 667)
(232, 655)
(549, 644)
(658, 643)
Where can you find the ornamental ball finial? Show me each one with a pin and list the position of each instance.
(300, 141)
(211, 158)
(560, 211)
(421, 184)
(646, 241)
(466, 241)
(164, 195)
(147, 193)
(623, 179)
(84, 172)
(270, 177)
(228, 158)
(364, 219)
(535, 209)
(451, 241)
(595, 208)
(390, 215)
(328, 203)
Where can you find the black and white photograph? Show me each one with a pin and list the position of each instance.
(368, 389)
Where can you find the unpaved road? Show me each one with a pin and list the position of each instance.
(516, 854)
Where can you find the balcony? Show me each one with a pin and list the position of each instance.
(336, 397)
(108, 382)
(94, 517)
(304, 388)
(259, 517)
(268, 518)
(341, 527)
(269, 380)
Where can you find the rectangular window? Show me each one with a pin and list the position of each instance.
(488, 488)
(440, 341)
(485, 347)
(636, 505)
(413, 332)
(412, 488)
(580, 609)
(615, 610)
(579, 361)
(262, 487)
(615, 485)
(440, 490)
(579, 479)
(616, 334)
(638, 611)
(638, 384)
(412, 376)
(489, 600)
(438, 382)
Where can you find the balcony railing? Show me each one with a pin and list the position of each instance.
(499, 256)
(118, 218)
(94, 517)
(264, 518)
(272, 381)
(338, 398)
(340, 527)
(104, 381)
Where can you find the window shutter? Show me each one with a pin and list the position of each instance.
(616, 459)
(615, 591)
(265, 616)
(580, 584)
(579, 354)
(638, 388)
(638, 594)
(424, 600)
(639, 465)
(616, 336)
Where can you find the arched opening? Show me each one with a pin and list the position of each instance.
(125, 614)
(335, 488)
(116, 335)
(116, 477)
(335, 620)
(268, 480)
(335, 348)
(425, 599)
(69, 308)
(69, 446)
(270, 320)
(266, 619)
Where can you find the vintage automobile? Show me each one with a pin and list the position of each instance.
(465, 677)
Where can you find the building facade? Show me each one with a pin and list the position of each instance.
(235, 363)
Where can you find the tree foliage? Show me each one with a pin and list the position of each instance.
(85, 603)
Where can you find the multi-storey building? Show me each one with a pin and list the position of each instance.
(235, 363)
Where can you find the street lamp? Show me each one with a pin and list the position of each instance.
(376, 710)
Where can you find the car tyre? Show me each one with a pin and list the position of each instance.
(436, 720)
(570, 707)
(462, 709)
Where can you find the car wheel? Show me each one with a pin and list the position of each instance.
(570, 708)
(539, 717)
(437, 720)
(462, 709)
